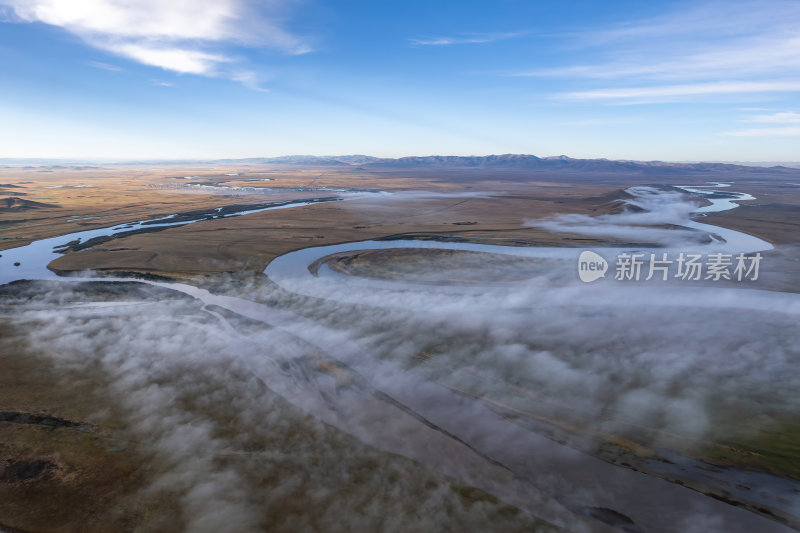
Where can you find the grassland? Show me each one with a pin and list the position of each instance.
(124, 194)
(85, 468)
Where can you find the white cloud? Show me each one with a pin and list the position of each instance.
(447, 41)
(464, 39)
(697, 21)
(251, 80)
(670, 92)
(177, 59)
(176, 19)
(759, 55)
(777, 118)
(701, 48)
(184, 36)
(766, 132)
(104, 66)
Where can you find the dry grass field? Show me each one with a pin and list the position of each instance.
(473, 205)
(66, 465)
(90, 198)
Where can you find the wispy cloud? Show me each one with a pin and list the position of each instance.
(251, 80)
(667, 92)
(464, 38)
(182, 60)
(787, 117)
(104, 66)
(187, 37)
(780, 118)
(766, 132)
(695, 21)
(759, 55)
(702, 49)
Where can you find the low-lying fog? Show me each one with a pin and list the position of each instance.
(667, 365)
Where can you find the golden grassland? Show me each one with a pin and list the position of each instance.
(125, 194)
(93, 475)
(250, 242)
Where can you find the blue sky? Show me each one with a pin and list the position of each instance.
(232, 78)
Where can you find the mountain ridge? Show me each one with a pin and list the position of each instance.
(522, 162)
(510, 161)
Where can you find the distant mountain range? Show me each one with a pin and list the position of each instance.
(438, 162)
(507, 161)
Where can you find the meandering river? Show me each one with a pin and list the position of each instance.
(461, 428)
